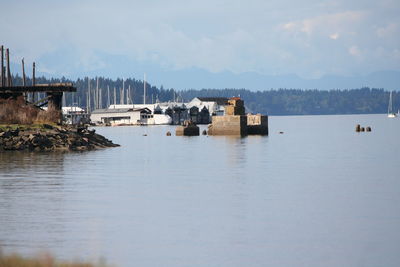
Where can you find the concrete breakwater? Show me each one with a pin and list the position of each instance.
(47, 137)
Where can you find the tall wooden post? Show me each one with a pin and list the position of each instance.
(2, 66)
(33, 74)
(9, 82)
(33, 81)
(23, 73)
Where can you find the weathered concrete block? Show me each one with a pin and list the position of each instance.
(237, 102)
(257, 124)
(234, 110)
(228, 125)
(187, 131)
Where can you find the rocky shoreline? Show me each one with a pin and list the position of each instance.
(46, 137)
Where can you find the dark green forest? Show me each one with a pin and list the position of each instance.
(271, 102)
(308, 102)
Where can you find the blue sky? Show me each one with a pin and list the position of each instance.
(121, 38)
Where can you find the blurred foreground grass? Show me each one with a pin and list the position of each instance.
(44, 260)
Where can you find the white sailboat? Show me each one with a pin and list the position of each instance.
(391, 114)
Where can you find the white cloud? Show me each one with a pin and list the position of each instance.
(263, 36)
(334, 36)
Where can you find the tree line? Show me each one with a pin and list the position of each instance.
(307, 102)
(99, 92)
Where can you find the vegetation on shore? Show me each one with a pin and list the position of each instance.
(17, 111)
(25, 127)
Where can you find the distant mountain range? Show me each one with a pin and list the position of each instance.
(195, 78)
(199, 79)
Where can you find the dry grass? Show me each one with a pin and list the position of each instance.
(16, 111)
(14, 260)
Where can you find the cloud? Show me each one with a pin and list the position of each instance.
(271, 37)
(334, 36)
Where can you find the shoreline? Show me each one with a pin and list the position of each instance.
(50, 137)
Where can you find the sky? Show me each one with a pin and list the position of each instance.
(307, 38)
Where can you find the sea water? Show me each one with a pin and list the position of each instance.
(318, 194)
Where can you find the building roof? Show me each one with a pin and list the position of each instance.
(219, 100)
(120, 110)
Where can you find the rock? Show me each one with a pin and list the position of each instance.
(48, 126)
(50, 138)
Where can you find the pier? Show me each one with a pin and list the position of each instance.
(53, 92)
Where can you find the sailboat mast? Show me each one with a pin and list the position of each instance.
(108, 96)
(144, 89)
(390, 103)
(123, 91)
(115, 96)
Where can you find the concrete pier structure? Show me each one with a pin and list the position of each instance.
(236, 123)
(228, 125)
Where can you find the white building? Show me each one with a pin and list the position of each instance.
(119, 116)
(127, 115)
(215, 105)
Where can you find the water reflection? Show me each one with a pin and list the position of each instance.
(31, 186)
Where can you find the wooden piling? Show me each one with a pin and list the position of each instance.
(2, 66)
(33, 80)
(33, 74)
(9, 82)
(358, 128)
(23, 73)
(55, 104)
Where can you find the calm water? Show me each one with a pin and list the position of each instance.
(317, 195)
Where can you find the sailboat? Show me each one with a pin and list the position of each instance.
(391, 114)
